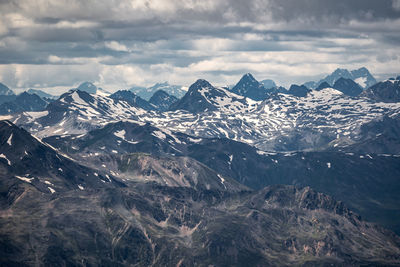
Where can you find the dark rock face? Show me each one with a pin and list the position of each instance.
(148, 224)
(132, 99)
(298, 90)
(348, 87)
(323, 86)
(387, 91)
(249, 87)
(379, 136)
(162, 100)
(23, 102)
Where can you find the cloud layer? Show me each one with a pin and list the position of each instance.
(120, 43)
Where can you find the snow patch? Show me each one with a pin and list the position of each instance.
(48, 183)
(120, 134)
(9, 141)
(195, 140)
(51, 190)
(362, 81)
(159, 135)
(4, 157)
(222, 180)
(25, 179)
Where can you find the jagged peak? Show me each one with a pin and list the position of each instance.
(4, 90)
(340, 70)
(323, 86)
(200, 83)
(248, 77)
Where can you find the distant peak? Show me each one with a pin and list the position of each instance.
(160, 92)
(88, 87)
(323, 86)
(160, 84)
(201, 83)
(86, 84)
(248, 76)
(339, 70)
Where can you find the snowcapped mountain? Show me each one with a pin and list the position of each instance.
(268, 84)
(361, 76)
(92, 89)
(249, 87)
(138, 141)
(202, 97)
(162, 100)
(146, 93)
(23, 102)
(6, 94)
(76, 112)
(26, 159)
(386, 91)
(41, 94)
(141, 152)
(282, 122)
(132, 99)
(111, 183)
(4, 90)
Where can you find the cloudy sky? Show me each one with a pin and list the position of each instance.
(56, 44)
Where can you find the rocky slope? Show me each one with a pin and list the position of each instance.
(387, 91)
(151, 225)
(367, 182)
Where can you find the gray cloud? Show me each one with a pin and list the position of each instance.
(185, 38)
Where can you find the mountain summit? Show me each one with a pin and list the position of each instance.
(202, 96)
(361, 76)
(4, 90)
(91, 89)
(249, 87)
(197, 98)
(386, 91)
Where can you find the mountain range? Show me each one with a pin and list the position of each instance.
(129, 222)
(253, 175)
(361, 76)
(147, 92)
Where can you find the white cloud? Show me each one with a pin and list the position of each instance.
(396, 4)
(121, 43)
(114, 45)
